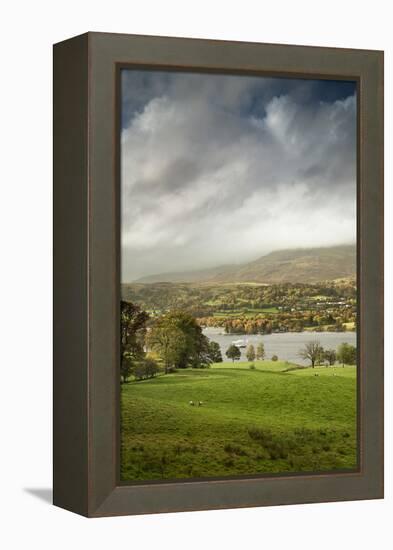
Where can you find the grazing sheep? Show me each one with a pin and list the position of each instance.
(200, 403)
(192, 403)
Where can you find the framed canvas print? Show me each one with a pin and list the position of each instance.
(218, 274)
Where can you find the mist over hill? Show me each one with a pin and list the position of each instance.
(300, 265)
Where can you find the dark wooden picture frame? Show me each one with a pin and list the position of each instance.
(86, 273)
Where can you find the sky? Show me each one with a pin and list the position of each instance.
(223, 169)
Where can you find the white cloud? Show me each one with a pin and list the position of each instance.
(207, 181)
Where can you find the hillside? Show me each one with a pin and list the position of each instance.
(265, 426)
(305, 265)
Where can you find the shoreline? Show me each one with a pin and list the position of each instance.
(350, 331)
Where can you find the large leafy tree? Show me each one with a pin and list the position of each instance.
(132, 334)
(178, 340)
(169, 342)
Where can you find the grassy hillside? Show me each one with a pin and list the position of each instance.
(307, 265)
(265, 420)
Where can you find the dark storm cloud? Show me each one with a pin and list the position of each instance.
(222, 169)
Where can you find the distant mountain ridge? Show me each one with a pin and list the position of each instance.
(300, 265)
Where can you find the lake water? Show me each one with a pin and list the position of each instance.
(285, 345)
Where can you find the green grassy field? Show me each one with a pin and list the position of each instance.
(266, 420)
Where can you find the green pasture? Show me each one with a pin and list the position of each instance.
(263, 420)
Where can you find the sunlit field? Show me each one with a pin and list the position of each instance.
(232, 419)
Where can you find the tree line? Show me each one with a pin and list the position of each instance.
(332, 320)
(176, 341)
(244, 309)
(346, 354)
(173, 341)
(205, 300)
